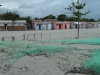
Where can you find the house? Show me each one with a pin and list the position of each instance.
(97, 25)
(33, 26)
(91, 25)
(42, 26)
(61, 25)
(16, 25)
(52, 21)
(82, 25)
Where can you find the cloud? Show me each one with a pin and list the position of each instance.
(41, 8)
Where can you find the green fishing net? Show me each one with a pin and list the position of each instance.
(12, 51)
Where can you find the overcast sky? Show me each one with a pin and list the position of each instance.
(41, 8)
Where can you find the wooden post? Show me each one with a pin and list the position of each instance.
(41, 35)
(27, 37)
(50, 35)
(2, 38)
(13, 38)
(23, 36)
(34, 36)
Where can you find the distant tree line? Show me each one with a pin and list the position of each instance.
(64, 17)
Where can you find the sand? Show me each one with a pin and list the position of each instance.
(53, 63)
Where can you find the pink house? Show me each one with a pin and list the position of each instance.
(61, 25)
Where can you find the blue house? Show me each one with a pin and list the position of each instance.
(42, 25)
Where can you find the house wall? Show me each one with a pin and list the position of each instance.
(56, 26)
(44, 26)
(36, 27)
(97, 26)
(90, 26)
(18, 25)
(68, 26)
(72, 26)
(47, 27)
(82, 26)
(33, 26)
(15, 28)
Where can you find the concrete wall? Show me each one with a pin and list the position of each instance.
(15, 28)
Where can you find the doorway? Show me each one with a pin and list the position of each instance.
(39, 27)
(65, 26)
(59, 26)
(75, 26)
(5, 26)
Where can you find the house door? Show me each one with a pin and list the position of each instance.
(75, 26)
(39, 27)
(5, 25)
(65, 26)
(59, 26)
(46, 27)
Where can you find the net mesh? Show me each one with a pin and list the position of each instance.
(12, 51)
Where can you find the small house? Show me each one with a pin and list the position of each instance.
(33, 26)
(91, 25)
(74, 25)
(42, 25)
(17, 25)
(61, 25)
(97, 25)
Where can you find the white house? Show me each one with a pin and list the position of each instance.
(17, 25)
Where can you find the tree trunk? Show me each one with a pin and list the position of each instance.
(78, 26)
(78, 30)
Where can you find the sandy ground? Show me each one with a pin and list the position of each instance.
(53, 34)
(54, 63)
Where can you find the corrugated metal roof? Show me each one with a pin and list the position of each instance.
(36, 20)
(5, 21)
(64, 22)
(20, 21)
(42, 22)
(50, 20)
(10, 21)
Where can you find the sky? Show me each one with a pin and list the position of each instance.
(42, 8)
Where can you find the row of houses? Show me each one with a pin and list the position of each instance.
(47, 24)
(58, 25)
(50, 25)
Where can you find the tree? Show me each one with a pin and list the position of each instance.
(36, 18)
(10, 16)
(75, 10)
(92, 20)
(15, 16)
(71, 19)
(50, 17)
(28, 21)
(61, 17)
(98, 20)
